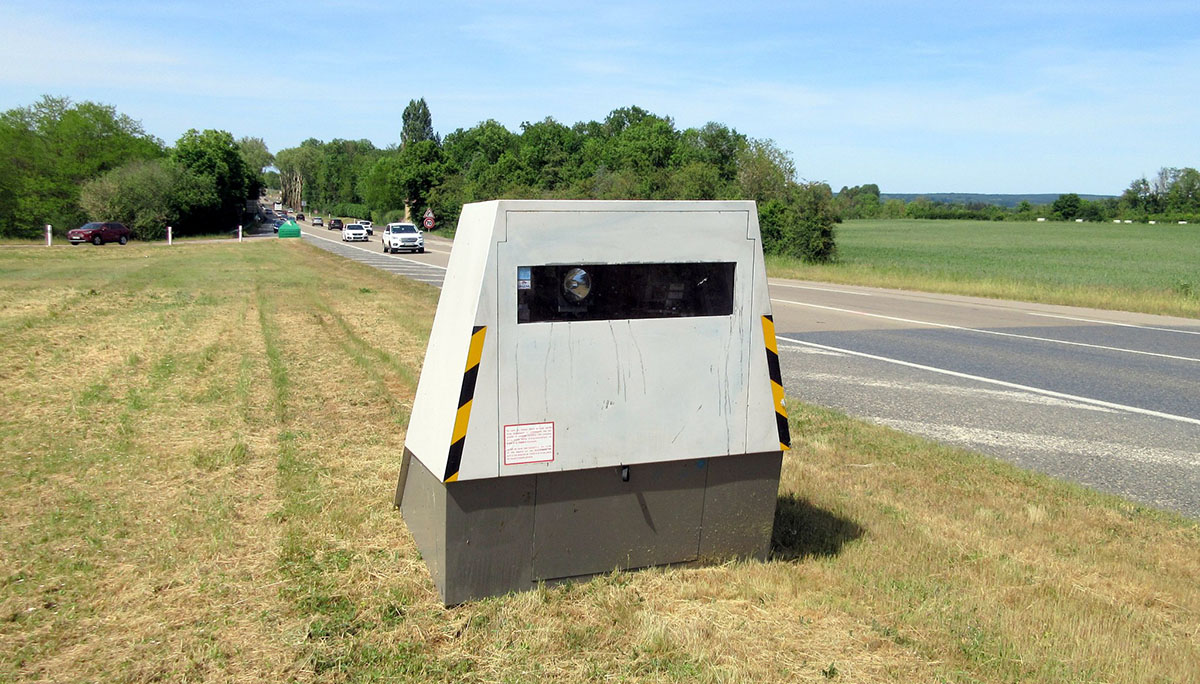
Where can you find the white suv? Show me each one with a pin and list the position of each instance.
(402, 236)
(354, 232)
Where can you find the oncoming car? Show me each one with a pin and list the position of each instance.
(402, 236)
(99, 233)
(354, 232)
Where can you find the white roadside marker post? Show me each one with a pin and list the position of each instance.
(239, 232)
(48, 238)
(168, 235)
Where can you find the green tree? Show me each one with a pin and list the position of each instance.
(502, 178)
(1067, 206)
(49, 149)
(446, 200)
(258, 158)
(340, 167)
(545, 151)
(214, 156)
(297, 171)
(418, 169)
(418, 123)
(647, 144)
(697, 181)
(473, 149)
(858, 201)
(384, 188)
(801, 224)
(714, 145)
(148, 196)
(1183, 197)
(1139, 198)
(764, 171)
(620, 119)
(1093, 211)
(892, 209)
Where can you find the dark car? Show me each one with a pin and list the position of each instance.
(335, 224)
(299, 217)
(278, 222)
(99, 233)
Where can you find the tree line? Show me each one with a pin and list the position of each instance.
(64, 163)
(631, 154)
(1173, 195)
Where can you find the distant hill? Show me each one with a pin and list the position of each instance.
(970, 197)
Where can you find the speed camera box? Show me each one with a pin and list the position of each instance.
(601, 390)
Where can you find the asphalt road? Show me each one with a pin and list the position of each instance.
(1107, 399)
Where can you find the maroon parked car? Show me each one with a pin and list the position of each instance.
(100, 233)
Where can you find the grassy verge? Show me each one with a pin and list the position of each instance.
(1151, 269)
(197, 456)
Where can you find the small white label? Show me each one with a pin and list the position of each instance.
(528, 443)
(524, 278)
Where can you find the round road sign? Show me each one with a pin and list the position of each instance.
(428, 223)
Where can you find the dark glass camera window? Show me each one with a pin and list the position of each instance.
(626, 291)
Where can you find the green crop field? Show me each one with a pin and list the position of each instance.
(199, 447)
(1153, 269)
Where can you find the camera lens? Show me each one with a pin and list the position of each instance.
(577, 284)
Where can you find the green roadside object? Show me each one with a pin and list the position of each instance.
(290, 229)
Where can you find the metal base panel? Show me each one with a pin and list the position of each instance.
(489, 537)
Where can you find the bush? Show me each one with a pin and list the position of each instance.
(148, 196)
(350, 209)
(800, 226)
(393, 216)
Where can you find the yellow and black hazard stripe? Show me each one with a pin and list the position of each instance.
(465, 396)
(781, 422)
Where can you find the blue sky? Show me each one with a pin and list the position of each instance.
(1010, 97)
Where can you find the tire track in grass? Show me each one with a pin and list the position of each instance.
(414, 296)
(332, 518)
(141, 522)
(369, 358)
(323, 612)
(270, 334)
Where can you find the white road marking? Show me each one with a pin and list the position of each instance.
(374, 253)
(952, 390)
(816, 352)
(1123, 325)
(988, 332)
(1048, 444)
(822, 289)
(1001, 383)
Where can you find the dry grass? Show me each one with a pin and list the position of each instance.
(198, 450)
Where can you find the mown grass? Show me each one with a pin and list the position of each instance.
(198, 450)
(1151, 269)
